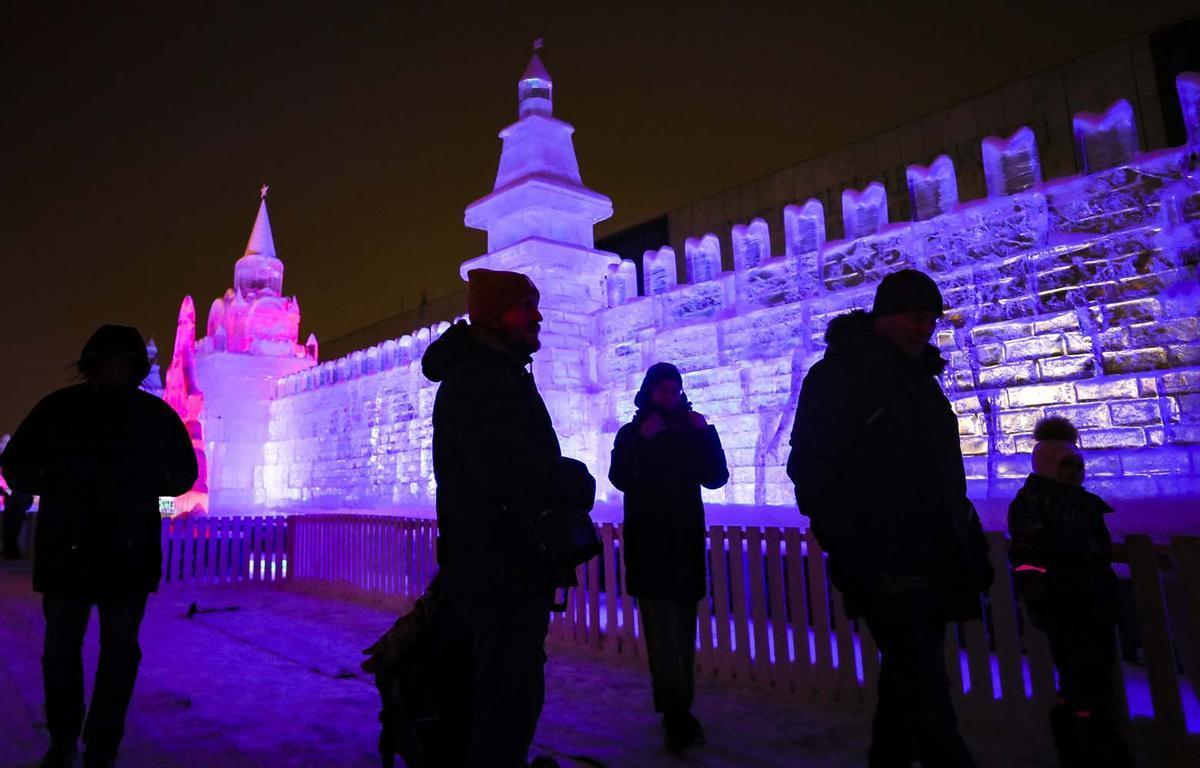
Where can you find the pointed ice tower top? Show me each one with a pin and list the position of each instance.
(538, 190)
(535, 90)
(261, 242)
(259, 272)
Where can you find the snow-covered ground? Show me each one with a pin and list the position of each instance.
(276, 682)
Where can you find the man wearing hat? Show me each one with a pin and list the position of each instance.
(99, 454)
(498, 463)
(878, 472)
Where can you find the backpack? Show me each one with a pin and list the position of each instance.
(423, 670)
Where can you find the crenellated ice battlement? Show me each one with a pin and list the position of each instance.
(1074, 295)
(382, 357)
(1106, 142)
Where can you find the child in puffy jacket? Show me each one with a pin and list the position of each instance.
(1061, 555)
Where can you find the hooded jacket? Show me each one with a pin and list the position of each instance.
(878, 471)
(664, 514)
(1061, 550)
(99, 459)
(497, 462)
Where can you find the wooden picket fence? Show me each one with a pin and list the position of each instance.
(771, 618)
(215, 550)
(373, 554)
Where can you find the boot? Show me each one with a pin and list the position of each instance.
(683, 730)
(1068, 737)
(1105, 747)
(95, 761)
(59, 756)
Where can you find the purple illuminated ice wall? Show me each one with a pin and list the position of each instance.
(1076, 296)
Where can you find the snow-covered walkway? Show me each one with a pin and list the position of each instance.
(276, 683)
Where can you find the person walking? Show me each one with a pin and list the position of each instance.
(878, 471)
(660, 461)
(99, 454)
(499, 468)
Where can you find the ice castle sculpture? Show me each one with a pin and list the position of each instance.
(253, 316)
(1076, 296)
(221, 385)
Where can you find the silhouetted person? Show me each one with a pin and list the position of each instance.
(878, 472)
(16, 506)
(1061, 555)
(99, 454)
(497, 462)
(660, 460)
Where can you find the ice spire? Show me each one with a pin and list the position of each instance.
(535, 88)
(538, 191)
(261, 242)
(259, 272)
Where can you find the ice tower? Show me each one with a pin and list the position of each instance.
(539, 219)
(251, 342)
(183, 394)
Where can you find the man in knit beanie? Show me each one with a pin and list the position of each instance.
(1061, 555)
(498, 466)
(879, 473)
(906, 309)
(505, 302)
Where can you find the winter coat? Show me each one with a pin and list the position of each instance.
(1061, 552)
(99, 459)
(664, 515)
(878, 471)
(497, 463)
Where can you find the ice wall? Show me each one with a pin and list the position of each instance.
(1075, 295)
(353, 432)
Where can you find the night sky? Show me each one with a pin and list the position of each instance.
(133, 142)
